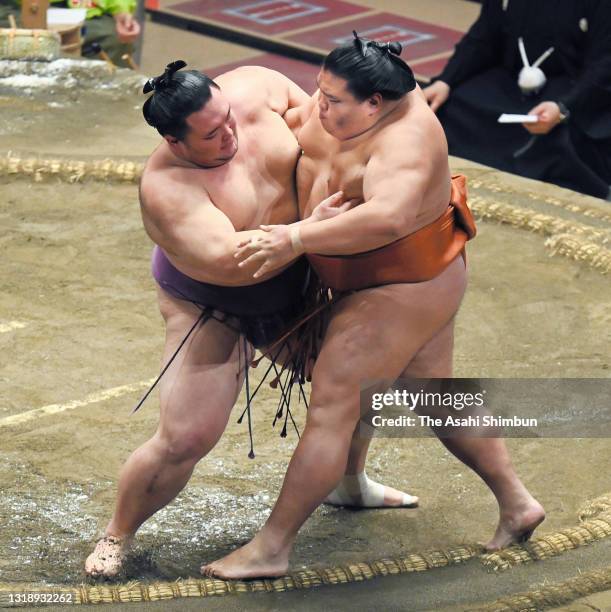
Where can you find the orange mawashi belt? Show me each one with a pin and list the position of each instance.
(418, 257)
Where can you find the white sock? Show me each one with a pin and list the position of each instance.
(359, 490)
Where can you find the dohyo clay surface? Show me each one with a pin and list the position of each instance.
(78, 317)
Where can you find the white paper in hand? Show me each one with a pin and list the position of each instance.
(507, 118)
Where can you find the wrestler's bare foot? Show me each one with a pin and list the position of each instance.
(517, 525)
(108, 556)
(359, 491)
(253, 560)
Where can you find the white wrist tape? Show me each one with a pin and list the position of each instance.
(295, 233)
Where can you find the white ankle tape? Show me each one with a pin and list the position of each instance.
(359, 490)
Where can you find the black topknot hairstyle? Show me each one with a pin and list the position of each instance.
(371, 67)
(176, 95)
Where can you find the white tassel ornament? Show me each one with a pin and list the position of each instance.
(532, 79)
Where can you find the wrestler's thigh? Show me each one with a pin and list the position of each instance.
(199, 389)
(375, 333)
(435, 358)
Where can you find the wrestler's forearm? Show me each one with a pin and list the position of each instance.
(228, 264)
(306, 221)
(219, 265)
(361, 229)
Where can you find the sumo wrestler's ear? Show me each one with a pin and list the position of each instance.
(375, 102)
(171, 139)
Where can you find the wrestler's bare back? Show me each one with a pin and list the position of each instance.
(256, 186)
(329, 165)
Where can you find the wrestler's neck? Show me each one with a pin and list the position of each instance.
(200, 165)
(183, 160)
(389, 113)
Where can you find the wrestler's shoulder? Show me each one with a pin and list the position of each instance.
(246, 73)
(418, 130)
(162, 169)
(165, 186)
(252, 87)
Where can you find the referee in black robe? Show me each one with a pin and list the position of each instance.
(571, 144)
